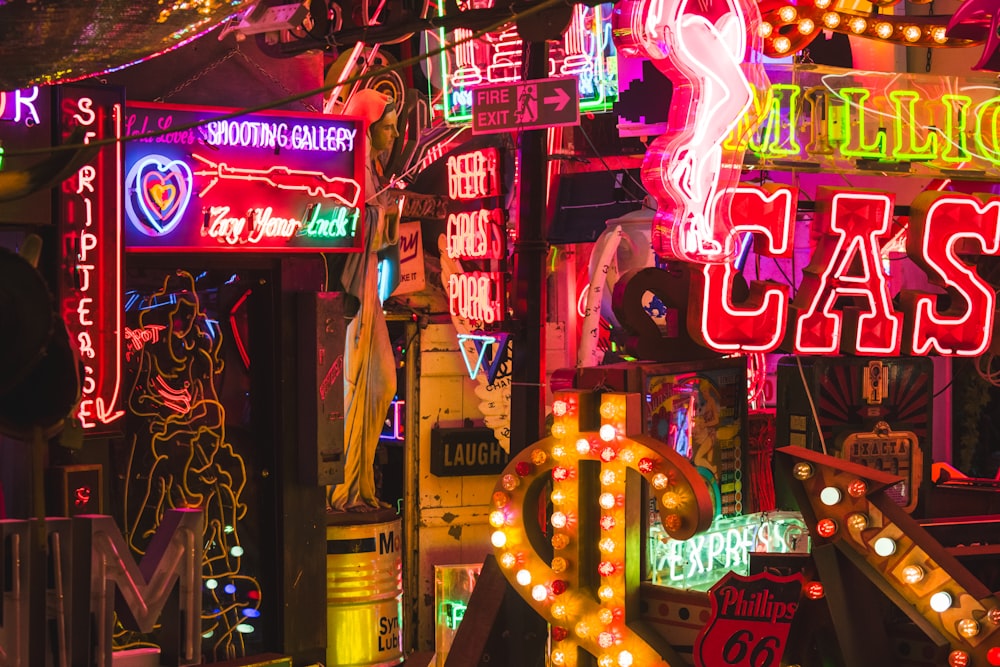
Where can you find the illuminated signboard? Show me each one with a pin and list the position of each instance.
(477, 295)
(26, 124)
(275, 181)
(701, 561)
(476, 234)
(585, 51)
(586, 587)
(90, 224)
(474, 175)
(822, 118)
(851, 226)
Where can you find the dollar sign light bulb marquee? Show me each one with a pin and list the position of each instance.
(588, 588)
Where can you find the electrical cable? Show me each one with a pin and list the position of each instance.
(266, 106)
(628, 173)
(812, 404)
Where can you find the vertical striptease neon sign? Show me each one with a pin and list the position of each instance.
(710, 51)
(90, 222)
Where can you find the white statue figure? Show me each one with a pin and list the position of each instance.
(370, 375)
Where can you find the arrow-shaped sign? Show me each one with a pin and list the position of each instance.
(560, 99)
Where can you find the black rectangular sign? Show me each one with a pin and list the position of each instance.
(456, 452)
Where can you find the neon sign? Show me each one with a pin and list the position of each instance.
(476, 235)
(726, 546)
(91, 281)
(477, 295)
(474, 175)
(20, 106)
(275, 181)
(836, 120)
(845, 263)
(585, 51)
(26, 124)
(592, 608)
(702, 48)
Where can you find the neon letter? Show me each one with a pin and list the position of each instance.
(938, 224)
(846, 263)
(758, 325)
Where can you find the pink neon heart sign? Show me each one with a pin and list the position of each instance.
(159, 190)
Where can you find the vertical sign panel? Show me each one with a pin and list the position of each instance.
(90, 228)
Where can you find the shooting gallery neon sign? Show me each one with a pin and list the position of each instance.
(91, 280)
(286, 182)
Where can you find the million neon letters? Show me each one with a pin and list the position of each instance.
(830, 119)
(276, 181)
(91, 227)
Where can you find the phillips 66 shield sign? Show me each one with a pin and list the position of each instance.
(751, 617)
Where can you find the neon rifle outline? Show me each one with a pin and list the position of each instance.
(221, 171)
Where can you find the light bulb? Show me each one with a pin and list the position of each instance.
(523, 577)
(830, 496)
(807, 26)
(885, 546)
(912, 574)
(787, 13)
(802, 471)
(941, 601)
(498, 538)
(831, 20)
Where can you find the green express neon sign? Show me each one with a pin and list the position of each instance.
(699, 562)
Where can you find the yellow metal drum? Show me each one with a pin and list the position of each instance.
(364, 592)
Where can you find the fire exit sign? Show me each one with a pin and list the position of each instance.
(525, 105)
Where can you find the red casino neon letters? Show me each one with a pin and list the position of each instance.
(851, 225)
